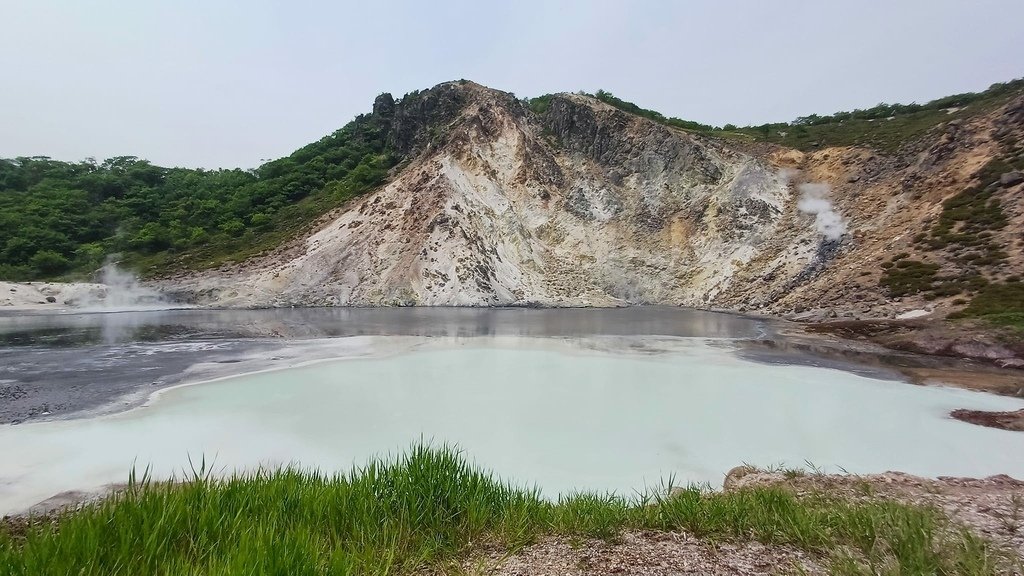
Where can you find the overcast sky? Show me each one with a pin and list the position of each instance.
(216, 83)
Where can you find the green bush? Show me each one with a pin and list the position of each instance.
(48, 262)
(992, 170)
(540, 104)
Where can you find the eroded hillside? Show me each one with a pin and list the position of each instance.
(583, 204)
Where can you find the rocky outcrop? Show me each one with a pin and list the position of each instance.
(420, 118)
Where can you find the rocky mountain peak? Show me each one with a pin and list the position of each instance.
(567, 200)
(422, 118)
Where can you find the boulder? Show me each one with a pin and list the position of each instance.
(1011, 178)
(384, 105)
(733, 477)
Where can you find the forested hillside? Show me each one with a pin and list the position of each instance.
(59, 218)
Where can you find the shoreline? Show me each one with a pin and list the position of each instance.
(776, 340)
(366, 349)
(315, 351)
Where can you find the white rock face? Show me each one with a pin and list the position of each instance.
(585, 206)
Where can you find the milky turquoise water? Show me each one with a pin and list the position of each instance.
(604, 414)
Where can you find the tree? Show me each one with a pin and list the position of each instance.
(48, 262)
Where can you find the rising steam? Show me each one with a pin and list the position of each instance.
(813, 200)
(121, 291)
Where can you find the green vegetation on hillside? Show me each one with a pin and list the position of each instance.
(61, 218)
(540, 105)
(609, 98)
(885, 127)
(1001, 304)
(429, 509)
(964, 235)
(968, 256)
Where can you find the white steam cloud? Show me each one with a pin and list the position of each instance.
(121, 291)
(813, 200)
(787, 175)
(124, 290)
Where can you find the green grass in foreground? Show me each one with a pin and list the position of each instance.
(428, 508)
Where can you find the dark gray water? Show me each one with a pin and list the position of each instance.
(64, 330)
(60, 364)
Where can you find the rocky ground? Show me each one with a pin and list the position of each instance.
(933, 336)
(47, 295)
(644, 554)
(990, 507)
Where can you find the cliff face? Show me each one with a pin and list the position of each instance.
(587, 205)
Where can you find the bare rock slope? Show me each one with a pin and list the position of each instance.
(587, 205)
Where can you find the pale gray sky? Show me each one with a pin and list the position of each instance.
(219, 83)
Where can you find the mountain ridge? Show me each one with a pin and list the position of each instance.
(466, 195)
(603, 167)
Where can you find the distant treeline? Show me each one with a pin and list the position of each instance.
(884, 110)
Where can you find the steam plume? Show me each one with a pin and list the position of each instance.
(121, 291)
(813, 200)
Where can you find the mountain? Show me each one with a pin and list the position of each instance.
(465, 195)
(570, 200)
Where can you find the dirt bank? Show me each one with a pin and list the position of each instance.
(1002, 347)
(992, 508)
(1002, 420)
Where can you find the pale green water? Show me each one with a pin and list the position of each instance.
(535, 410)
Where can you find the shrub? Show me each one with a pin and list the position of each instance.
(909, 277)
(49, 263)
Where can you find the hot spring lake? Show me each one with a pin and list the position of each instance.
(563, 399)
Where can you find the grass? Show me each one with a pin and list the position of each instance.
(1001, 304)
(429, 508)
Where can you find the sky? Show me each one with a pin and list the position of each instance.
(219, 83)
